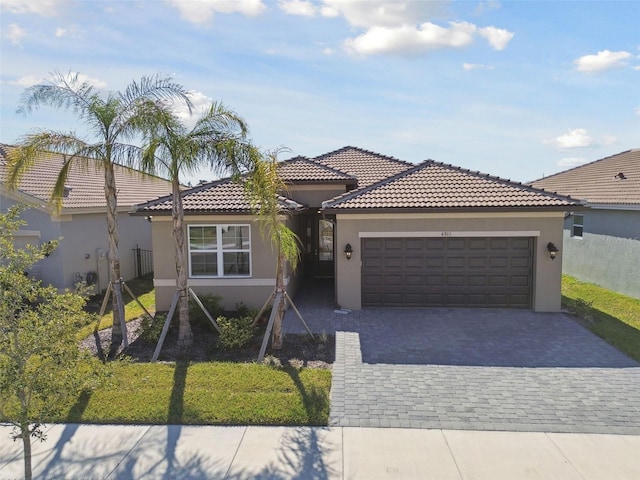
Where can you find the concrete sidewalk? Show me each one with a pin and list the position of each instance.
(175, 452)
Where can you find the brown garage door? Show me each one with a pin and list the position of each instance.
(447, 272)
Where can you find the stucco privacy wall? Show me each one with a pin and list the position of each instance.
(253, 291)
(608, 253)
(547, 273)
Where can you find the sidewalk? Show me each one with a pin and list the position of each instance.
(208, 452)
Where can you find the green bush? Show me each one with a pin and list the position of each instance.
(235, 332)
(211, 303)
(152, 328)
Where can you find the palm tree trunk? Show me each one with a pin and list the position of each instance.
(185, 335)
(276, 339)
(110, 193)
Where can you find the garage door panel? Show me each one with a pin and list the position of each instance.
(454, 272)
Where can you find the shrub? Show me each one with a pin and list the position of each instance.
(235, 332)
(211, 303)
(152, 328)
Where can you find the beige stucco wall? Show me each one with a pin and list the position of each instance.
(313, 195)
(253, 291)
(547, 226)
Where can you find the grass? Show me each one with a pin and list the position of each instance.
(610, 315)
(206, 394)
(141, 287)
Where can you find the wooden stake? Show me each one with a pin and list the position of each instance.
(267, 334)
(136, 299)
(165, 328)
(286, 295)
(213, 322)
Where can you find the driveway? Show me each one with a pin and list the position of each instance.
(476, 369)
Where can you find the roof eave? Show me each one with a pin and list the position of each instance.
(564, 208)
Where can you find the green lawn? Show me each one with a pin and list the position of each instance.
(610, 315)
(205, 394)
(142, 288)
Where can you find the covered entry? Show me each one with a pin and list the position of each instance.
(447, 272)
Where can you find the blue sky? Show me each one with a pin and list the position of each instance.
(515, 89)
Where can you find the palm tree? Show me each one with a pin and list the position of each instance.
(264, 187)
(111, 121)
(218, 140)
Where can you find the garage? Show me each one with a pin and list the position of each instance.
(456, 272)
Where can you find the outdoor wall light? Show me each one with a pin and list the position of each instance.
(553, 250)
(348, 251)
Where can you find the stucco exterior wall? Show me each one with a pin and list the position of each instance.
(608, 253)
(313, 195)
(83, 244)
(253, 291)
(547, 273)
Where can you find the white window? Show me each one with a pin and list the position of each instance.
(578, 225)
(219, 250)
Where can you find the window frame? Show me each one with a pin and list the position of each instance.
(575, 226)
(219, 250)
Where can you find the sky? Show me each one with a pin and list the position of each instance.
(517, 89)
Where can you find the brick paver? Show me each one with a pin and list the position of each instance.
(477, 369)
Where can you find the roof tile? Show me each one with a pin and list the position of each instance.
(600, 182)
(433, 185)
(86, 184)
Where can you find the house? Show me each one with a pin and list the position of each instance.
(602, 244)
(81, 224)
(390, 234)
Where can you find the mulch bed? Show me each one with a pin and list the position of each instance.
(298, 350)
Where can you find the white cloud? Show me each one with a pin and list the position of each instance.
(15, 33)
(576, 138)
(570, 162)
(498, 38)
(46, 8)
(82, 78)
(476, 66)
(26, 81)
(407, 39)
(485, 6)
(70, 32)
(382, 13)
(302, 8)
(200, 102)
(201, 12)
(603, 60)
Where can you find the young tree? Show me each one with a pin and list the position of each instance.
(42, 368)
(264, 187)
(111, 121)
(218, 140)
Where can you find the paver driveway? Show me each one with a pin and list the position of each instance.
(476, 369)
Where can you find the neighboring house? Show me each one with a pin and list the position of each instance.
(602, 244)
(391, 234)
(82, 223)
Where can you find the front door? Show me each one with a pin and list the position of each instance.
(318, 247)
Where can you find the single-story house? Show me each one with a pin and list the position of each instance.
(602, 244)
(390, 234)
(81, 224)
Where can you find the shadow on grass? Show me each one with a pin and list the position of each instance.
(611, 329)
(315, 401)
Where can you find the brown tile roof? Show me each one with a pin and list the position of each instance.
(86, 185)
(301, 170)
(600, 182)
(221, 196)
(368, 167)
(433, 185)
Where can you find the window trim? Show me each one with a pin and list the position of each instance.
(580, 225)
(219, 250)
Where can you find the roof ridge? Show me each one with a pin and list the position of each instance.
(631, 150)
(362, 150)
(367, 188)
(506, 181)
